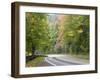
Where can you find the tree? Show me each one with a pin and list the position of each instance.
(76, 37)
(36, 32)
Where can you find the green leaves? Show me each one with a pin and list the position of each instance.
(76, 36)
(68, 32)
(36, 31)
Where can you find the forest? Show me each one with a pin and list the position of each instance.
(57, 34)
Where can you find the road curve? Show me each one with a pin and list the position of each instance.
(54, 61)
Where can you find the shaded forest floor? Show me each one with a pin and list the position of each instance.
(34, 62)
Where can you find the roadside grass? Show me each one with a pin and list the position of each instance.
(34, 62)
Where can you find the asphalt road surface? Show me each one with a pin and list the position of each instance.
(55, 61)
(59, 62)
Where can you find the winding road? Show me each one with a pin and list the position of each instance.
(59, 62)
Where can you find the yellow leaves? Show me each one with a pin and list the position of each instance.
(31, 30)
(40, 33)
(80, 31)
(30, 54)
(70, 33)
(32, 19)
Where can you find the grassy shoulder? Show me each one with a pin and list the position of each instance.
(35, 61)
